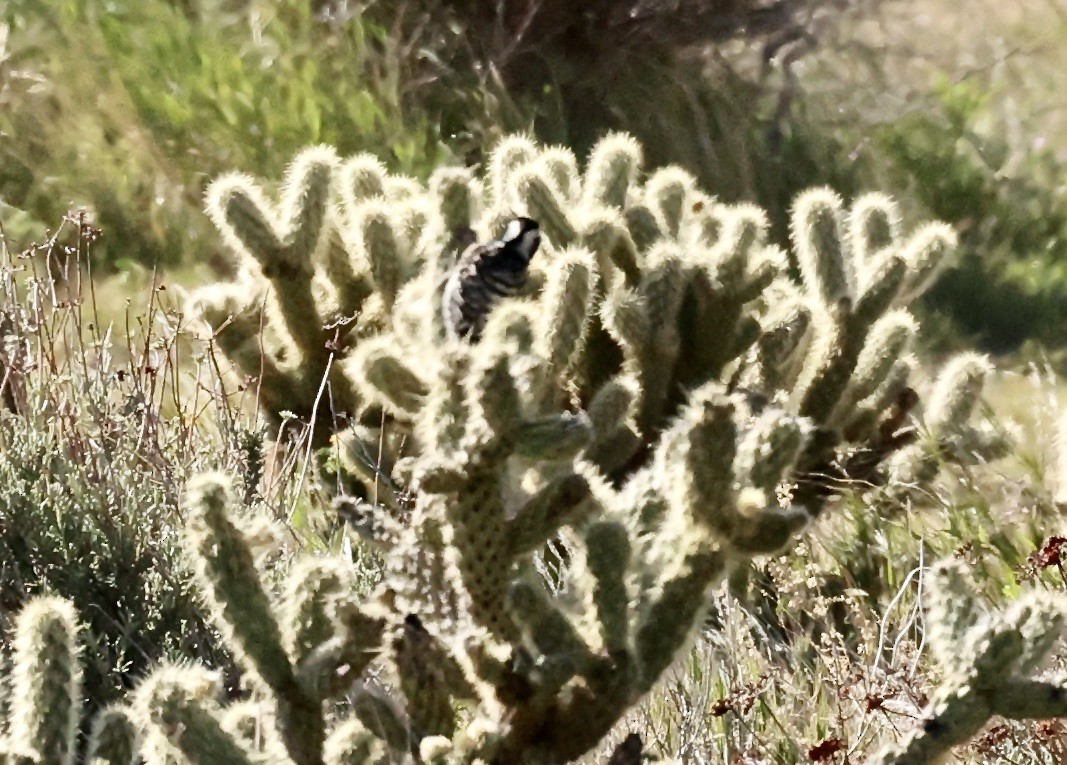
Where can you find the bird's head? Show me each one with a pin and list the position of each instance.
(523, 236)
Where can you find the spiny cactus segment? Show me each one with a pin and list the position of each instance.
(987, 658)
(45, 684)
(44, 704)
(114, 738)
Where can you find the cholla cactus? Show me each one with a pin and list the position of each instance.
(986, 658)
(948, 433)
(46, 682)
(114, 738)
(663, 395)
(44, 695)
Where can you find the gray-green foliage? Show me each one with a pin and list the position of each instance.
(99, 528)
(90, 469)
(665, 397)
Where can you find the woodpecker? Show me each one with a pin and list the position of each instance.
(484, 274)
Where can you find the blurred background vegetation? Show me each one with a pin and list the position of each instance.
(129, 107)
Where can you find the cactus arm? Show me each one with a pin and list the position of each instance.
(113, 738)
(565, 312)
(1030, 700)
(561, 502)
(550, 635)
(45, 682)
(352, 744)
(544, 205)
(242, 609)
(609, 554)
(183, 716)
(986, 659)
(612, 169)
(284, 250)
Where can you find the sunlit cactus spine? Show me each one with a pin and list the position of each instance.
(559, 164)
(226, 566)
(177, 704)
(351, 744)
(458, 197)
(307, 624)
(612, 170)
(667, 192)
(361, 177)
(928, 254)
(605, 234)
(948, 433)
(643, 226)
(272, 322)
(511, 153)
(565, 315)
(779, 351)
(826, 263)
(44, 703)
(858, 272)
(888, 341)
(294, 647)
(769, 448)
(987, 658)
(707, 468)
(428, 680)
(45, 683)
(238, 328)
(958, 387)
(373, 232)
(282, 238)
(386, 377)
(873, 225)
(321, 267)
(114, 738)
(544, 204)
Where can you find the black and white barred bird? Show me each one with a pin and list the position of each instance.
(484, 274)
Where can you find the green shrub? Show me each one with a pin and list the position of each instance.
(133, 105)
(96, 443)
(1011, 281)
